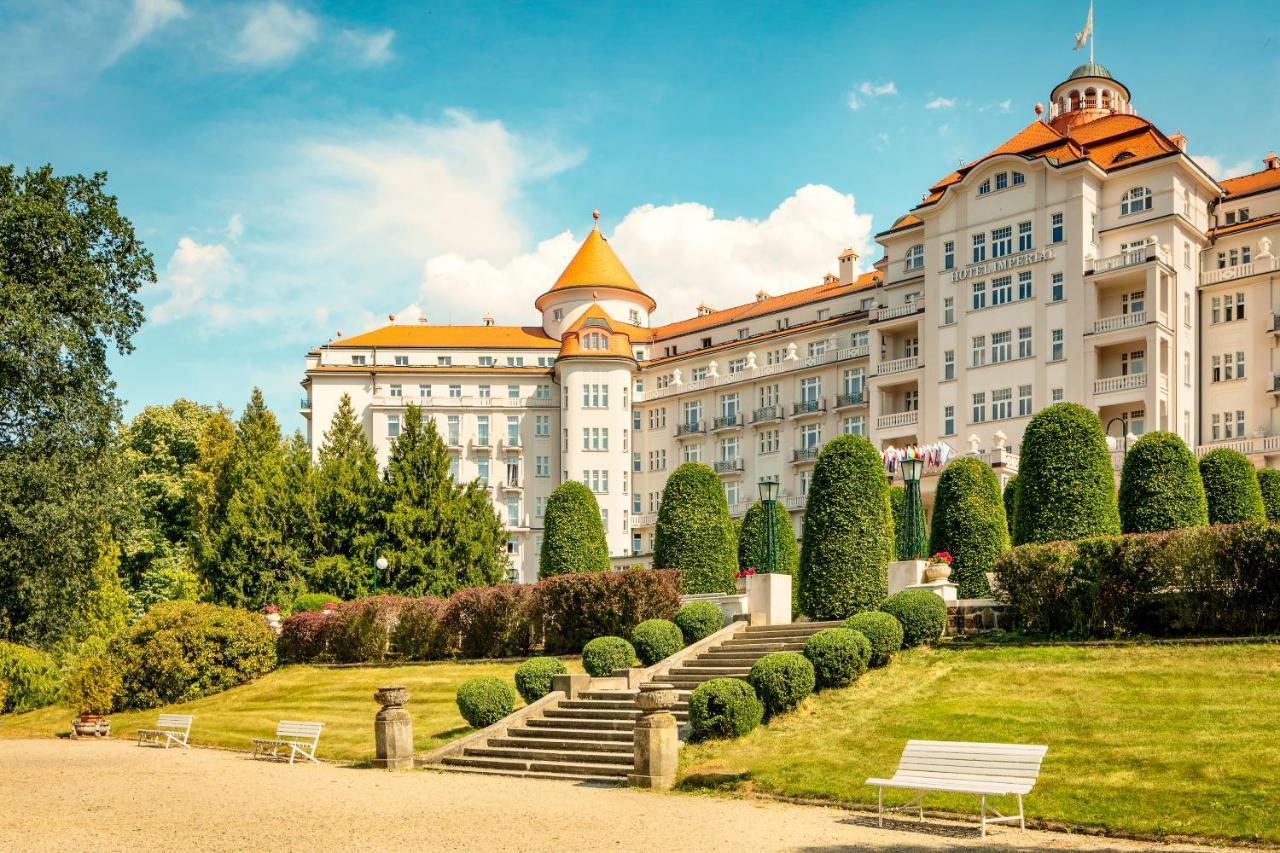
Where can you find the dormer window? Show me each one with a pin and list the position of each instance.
(595, 341)
(1122, 156)
(914, 258)
(1002, 180)
(1135, 200)
(1019, 179)
(984, 187)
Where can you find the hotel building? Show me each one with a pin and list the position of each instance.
(1088, 258)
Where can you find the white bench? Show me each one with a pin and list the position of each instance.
(297, 738)
(170, 729)
(982, 769)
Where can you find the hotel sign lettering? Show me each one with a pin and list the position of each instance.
(996, 265)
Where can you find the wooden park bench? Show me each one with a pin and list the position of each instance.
(982, 769)
(297, 738)
(170, 729)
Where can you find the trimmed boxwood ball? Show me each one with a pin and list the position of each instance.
(782, 680)
(603, 655)
(882, 630)
(694, 532)
(1269, 483)
(753, 543)
(699, 620)
(656, 639)
(573, 535)
(1231, 487)
(724, 708)
(969, 523)
(533, 677)
(1160, 486)
(839, 656)
(485, 700)
(922, 614)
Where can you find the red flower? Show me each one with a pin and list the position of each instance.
(942, 557)
(271, 608)
(330, 605)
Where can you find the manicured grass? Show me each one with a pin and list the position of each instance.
(1152, 739)
(340, 698)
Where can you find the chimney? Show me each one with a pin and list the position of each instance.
(762, 295)
(848, 262)
(1271, 161)
(704, 309)
(1179, 140)
(830, 278)
(488, 319)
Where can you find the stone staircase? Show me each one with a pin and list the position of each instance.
(589, 738)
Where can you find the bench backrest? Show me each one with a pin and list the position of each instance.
(293, 730)
(1016, 765)
(175, 721)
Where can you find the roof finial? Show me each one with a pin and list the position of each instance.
(595, 215)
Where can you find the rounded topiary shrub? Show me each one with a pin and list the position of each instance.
(1231, 487)
(839, 656)
(782, 680)
(694, 532)
(699, 620)
(573, 535)
(1269, 484)
(753, 540)
(30, 676)
(1160, 486)
(533, 677)
(882, 630)
(656, 639)
(485, 700)
(921, 613)
(848, 532)
(724, 708)
(1066, 488)
(313, 601)
(969, 523)
(603, 655)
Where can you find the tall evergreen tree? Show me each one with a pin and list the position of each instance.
(573, 538)
(1160, 486)
(348, 507)
(969, 523)
(1231, 487)
(1066, 488)
(694, 532)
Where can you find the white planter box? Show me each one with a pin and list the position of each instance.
(770, 596)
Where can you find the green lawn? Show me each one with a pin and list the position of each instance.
(1170, 740)
(340, 698)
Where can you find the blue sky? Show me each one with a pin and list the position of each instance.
(299, 168)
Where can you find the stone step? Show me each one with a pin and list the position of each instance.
(761, 646)
(810, 627)
(693, 681)
(591, 713)
(725, 657)
(713, 671)
(613, 747)
(521, 766)
(599, 704)
(562, 756)
(571, 724)
(608, 695)
(577, 735)
(577, 778)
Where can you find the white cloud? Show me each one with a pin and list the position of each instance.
(369, 48)
(195, 279)
(235, 227)
(940, 103)
(1005, 105)
(274, 34)
(859, 95)
(1219, 168)
(146, 17)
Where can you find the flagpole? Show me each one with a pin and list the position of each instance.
(1092, 27)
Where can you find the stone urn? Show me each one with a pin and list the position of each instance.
(937, 572)
(656, 739)
(90, 725)
(391, 697)
(393, 729)
(655, 696)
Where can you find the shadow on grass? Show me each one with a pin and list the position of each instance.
(712, 781)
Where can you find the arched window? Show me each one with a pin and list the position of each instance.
(1090, 99)
(984, 187)
(1135, 200)
(914, 259)
(1122, 156)
(595, 341)
(1075, 99)
(1106, 99)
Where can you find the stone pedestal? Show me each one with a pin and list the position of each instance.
(945, 589)
(393, 730)
(656, 739)
(572, 684)
(904, 574)
(769, 595)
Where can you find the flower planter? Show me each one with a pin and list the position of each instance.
(90, 725)
(937, 572)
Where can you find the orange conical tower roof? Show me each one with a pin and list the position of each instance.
(595, 265)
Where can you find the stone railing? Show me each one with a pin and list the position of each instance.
(1120, 321)
(893, 312)
(1240, 270)
(467, 402)
(831, 356)
(1131, 258)
(1120, 383)
(897, 419)
(898, 365)
(1247, 446)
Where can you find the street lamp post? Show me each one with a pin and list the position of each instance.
(1124, 431)
(911, 471)
(768, 494)
(379, 565)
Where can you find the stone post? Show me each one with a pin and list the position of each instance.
(393, 729)
(657, 739)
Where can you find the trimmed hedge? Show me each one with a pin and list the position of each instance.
(699, 620)
(302, 637)
(839, 656)
(420, 632)
(314, 601)
(1231, 487)
(492, 621)
(533, 677)
(753, 548)
(29, 679)
(1066, 488)
(1196, 581)
(576, 608)
(782, 680)
(724, 708)
(1269, 485)
(655, 640)
(485, 700)
(921, 613)
(1160, 486)
(969, 523)
(603, 655)
(359, 631)
(882, 630)
(573, 535)
(694, 532)
(848, 532)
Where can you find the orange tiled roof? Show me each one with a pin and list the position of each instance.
(1267, 179)
(1245, 226)
(462, 337)
(430, 369)
(596, 265)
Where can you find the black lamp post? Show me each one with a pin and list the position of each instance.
(911, 471)
(768, 494)
(379, 565)
(1124, 431)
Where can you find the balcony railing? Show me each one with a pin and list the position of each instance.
(466, 402)
(766, 413)
(727, 421)
(1240, 270)
(893, 312)
(482, 442)
(1120, 383)
(690, 428)
(305, 404)
(798, 362)
(804, 454)
(1120, 321)
(846, 400)
(1131, 258)
(898, 365)
(1247, 446)
(897, 419)
(728, 466)
(1275, 383)
(809, 407)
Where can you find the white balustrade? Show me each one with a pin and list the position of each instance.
(897, 419)
(1120, 321)
(1120, 383)
(898, 365)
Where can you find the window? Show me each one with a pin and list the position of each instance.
(595, 438)
(979, 407)
(485, 392)
(1056, 229)
(768, 396)
(515, 361)
(810, 389)
(948, 310)
(910, 347)
(984, 187)
(744, 333)
(810, 436)
(1002, 180)
(1002, 242)
(1001, 290)
(1024, 342)
(854, 425)
(513, 430)
(595, 341)
(816, 348)
(482, 430)
(1133, 303)
(1056, 288)
(732, 492)
(546, 360)
(692, 412)
(424, 390)
(769, 441)
(914, 259)
(393, 426)
(596, 479)
(453, 426)
(1024, 236)
(482, 470)
(979, 248)
(729, 449)
(557, 314)
(1001, 404)
(948, 255)
(542, 426)
(1001, 347)
(1056, 395)
(540, 506)
(979, 295)
(397, 390)
(737, 365)
(1024, 285)
(1019, 179)
(1024, 401)
(911, 401)
(1138, 421)
(595, 396)
(1135, 200)
(1133, 363)
(455, 391)
(706, 342)
(948, 420)
(949, 365)
(978, 351)
(513, 511)
(400, 361)
(635, 419)
(806, 480)
(542, 466)
(486, 361)
(1186, 255)
(699, 374)
(1056, 344)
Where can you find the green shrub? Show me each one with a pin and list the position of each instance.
(1066, 488)
(724, 708)
(839, 656)
(302, 637)
(492, 621)
(485, 700)
(360, 631)
(1160, 486)
(93, 685)
(1231, 487)
(782, 680)
(1269, 484)
(753, 550)
(699, 620)
(420, 632)
(1034, 580)
(182, 650)
(922, 614)
(1010, 495)
(310, 601)
(848, 532)
(694, 532)
(576, 608)
(655, 640)
(969, 523)
(533, 677)
(573, 535)
(31, 676)
(603, 655)
(882, 630)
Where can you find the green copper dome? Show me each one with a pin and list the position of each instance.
(1090, 69)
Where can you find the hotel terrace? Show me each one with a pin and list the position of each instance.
(1088, 258)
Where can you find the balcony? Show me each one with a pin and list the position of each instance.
(729, 466)
(899, 365)
(726, 422)
(1240, 271)
(1119, 321)
(804, 454)
(1267, 444)
(844, 401)
(809, 407)
(860, 351)
(690, 428)
(1275, 383)
(1132, 258)
(482, 442)
(893, 420)
(305, 404)
(766, 413)
(893, 312)
(511, 445)
(1120, 383)
(511, 484)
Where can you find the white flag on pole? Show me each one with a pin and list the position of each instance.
(1083, 35)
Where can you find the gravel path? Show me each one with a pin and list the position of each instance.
(64, 795)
